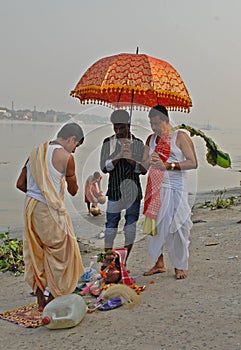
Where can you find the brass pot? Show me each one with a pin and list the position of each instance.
(95, 211)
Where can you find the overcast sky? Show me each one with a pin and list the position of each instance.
(47, 45)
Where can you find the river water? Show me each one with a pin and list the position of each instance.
(18, 138)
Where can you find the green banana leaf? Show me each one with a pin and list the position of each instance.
(214, 155)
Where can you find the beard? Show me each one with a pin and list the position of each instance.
(120, 136)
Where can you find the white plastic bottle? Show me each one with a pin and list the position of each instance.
(64, 312)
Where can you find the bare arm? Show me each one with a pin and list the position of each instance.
(99, 184)
(185, 143)
(22, 179)
(70, 177)
(146, 156)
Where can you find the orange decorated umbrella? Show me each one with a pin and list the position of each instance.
(133, 80)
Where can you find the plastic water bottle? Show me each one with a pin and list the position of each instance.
(64, 312)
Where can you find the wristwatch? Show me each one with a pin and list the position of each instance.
(173, 166)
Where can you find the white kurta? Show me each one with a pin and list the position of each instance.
(174, 217)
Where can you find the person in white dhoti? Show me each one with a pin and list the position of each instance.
(169, 153)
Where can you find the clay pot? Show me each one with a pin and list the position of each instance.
(102, 199)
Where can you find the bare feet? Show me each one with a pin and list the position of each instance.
(159, 267)
(155, 269)
(50, 298)
(180, 274)
(40, 299)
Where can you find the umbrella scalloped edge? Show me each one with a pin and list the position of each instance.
(97, 95)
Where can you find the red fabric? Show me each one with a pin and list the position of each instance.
(126, 279)
(91, 192)
(112, 79)
(152, 200)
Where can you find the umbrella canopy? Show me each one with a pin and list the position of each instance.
(127, 80)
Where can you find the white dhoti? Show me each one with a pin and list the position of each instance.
(173, 228)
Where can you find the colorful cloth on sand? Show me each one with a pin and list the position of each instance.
(125, 278)
(27, 316)
(152, 201)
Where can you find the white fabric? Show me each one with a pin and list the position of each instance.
(55, 176)
(109, 165)
(113, 141)
(32, 188)
(173, 220)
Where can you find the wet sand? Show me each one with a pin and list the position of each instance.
(200, 312)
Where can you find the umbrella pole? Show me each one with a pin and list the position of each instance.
(132, 100)
(132, 92)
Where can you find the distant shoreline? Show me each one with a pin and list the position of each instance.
(145, 124)
(31, 122)
(27, 122)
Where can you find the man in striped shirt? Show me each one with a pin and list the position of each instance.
(121, 157)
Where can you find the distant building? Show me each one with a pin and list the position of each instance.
(4, 113)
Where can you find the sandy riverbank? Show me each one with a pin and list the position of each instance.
(201, 312)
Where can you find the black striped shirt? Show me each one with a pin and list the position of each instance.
(124, 182)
